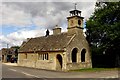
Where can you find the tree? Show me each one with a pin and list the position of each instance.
(16, 47)
(103, 29)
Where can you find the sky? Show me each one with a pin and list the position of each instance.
(22, 20)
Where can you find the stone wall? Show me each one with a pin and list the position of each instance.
(40, 64)
(28, 61)
(79, 42)
(80, 46)
(33, 60)
(72, 66)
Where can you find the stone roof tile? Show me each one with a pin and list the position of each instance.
(49, 43)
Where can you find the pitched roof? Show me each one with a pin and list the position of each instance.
(50, 43)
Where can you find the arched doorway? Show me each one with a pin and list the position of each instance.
(83, 55)
(74, 55)
(59, 62)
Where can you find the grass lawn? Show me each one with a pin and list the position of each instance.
(93, 69)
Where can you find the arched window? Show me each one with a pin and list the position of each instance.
(83, 55)
(74, 55)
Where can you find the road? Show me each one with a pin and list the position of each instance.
(9, 71)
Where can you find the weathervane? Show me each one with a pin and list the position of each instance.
(75, 5)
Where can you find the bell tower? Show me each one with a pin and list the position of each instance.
(75, 21)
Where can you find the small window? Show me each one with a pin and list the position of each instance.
(25, 55)
(46, 56)
(43, 56)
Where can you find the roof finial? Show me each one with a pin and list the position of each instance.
(75, 5)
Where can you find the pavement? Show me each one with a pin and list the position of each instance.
(11, 64)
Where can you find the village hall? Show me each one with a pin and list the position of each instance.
(61, 51)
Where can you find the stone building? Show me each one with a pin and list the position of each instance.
(60, 51)
(4, 52)
(8, 53)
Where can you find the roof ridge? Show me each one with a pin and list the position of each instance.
(51, 35)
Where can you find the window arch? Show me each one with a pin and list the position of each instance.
(74, 55)
(83, 55)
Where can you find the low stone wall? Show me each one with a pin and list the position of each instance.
(73, 66)
(26, 63)
(40, 64)
(32, 60)
(45, 64)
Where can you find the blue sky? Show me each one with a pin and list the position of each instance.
(7, 29)
(22, 20)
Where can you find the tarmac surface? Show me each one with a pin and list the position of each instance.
(12, 71)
